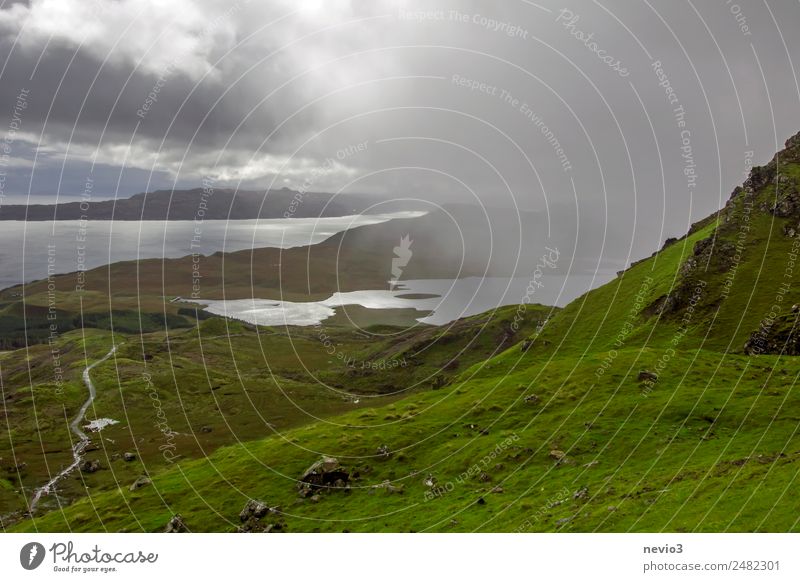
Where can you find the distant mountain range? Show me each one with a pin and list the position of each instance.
(216, 204)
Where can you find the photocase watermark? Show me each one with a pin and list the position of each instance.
(553, 501)
(438, 490)
(402, 256)
(748, 163)
(627, 327)
(738, 15)
(52, 318)
(80, 237)
(31, 555)
(679, 115)
(548, 260)
(569, 20)
(759, 341)
(475, 85)
(741, 237)
(677, 338)
(328, 166)
(358, 364)
(168, 448)
(169, 67)
(207, 191)
(504, 27)
(6, 147)
(68, 559)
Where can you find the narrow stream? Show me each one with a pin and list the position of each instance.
(75, 426)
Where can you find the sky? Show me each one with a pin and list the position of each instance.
(634, 118)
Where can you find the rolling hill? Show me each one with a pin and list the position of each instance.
(665, 400)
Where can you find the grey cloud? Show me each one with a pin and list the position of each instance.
(298, 88)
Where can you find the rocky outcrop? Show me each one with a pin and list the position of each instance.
(90, 466)
(647, 376)
(389, 488)
(176, 525)
(139, 483)
(326, 474)
(787, 198)
(778, 336)
(252, 518)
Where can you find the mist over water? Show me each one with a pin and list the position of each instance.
(446, 299)
(29, 249)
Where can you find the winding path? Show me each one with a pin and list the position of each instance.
(75, 426)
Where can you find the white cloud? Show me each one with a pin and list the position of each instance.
(150, 34)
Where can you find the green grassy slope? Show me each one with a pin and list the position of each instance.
(214, 384)
(635, 408)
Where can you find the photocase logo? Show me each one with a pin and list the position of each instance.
(31, 555)
(402, 254)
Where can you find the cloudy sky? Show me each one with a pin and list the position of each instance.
(640, 117)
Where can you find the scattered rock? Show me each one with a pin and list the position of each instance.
(611, 508)
(254, 509)
(581, 493)
(383, 452)
(176, 525)
(439, 381)
(779, 336)
(252, 514)
(668, 242)
(387, 485)
(315, 499)
(647, 376)
(532, 399)
(326, 473)
(206, 429)
(90, 466)
(129, 457)
(563, 521)
(557, 455)
(592, 463)
(525, 345)
(429, 481)
(496, 489)
(484, 477)
(139, 483)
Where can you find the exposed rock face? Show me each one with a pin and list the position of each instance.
(90, 466)
(251, 517)
(581, 493)
(176, 525)
(387, 485)
(779, 336)
(647, 376)
(768, 189)
(326, 474)
(139, 483)
(787, 197)
(129, 457)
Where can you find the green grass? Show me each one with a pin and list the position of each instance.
(710, 445)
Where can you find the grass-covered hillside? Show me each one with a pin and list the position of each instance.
(665, 400)
(182, 393)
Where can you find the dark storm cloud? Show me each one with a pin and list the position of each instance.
(626, 121)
